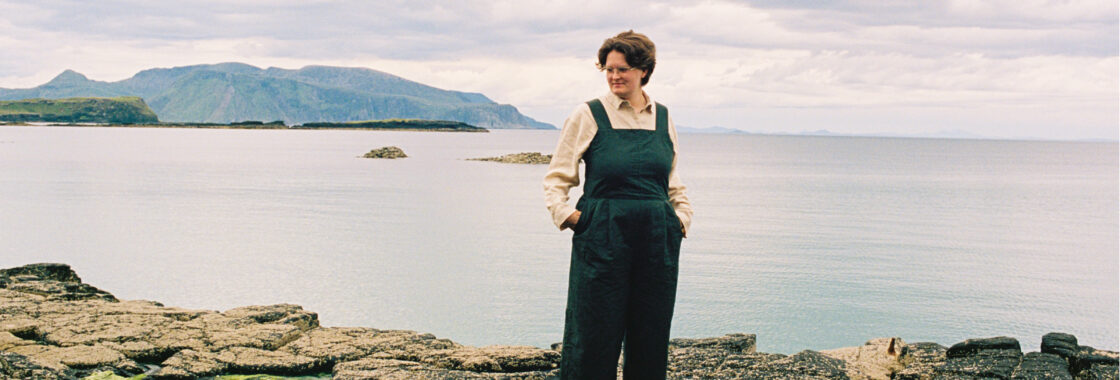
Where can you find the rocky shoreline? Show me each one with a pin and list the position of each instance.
(53, 326)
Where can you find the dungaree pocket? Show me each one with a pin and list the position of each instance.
(585, 211)
(673, 221)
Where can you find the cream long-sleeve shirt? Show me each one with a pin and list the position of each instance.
(575, 137)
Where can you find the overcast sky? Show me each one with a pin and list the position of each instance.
(1005, 68)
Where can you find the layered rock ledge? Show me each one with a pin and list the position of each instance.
(53, 326)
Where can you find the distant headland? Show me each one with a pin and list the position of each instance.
(131, 111)
(232, 92)
(398, 125)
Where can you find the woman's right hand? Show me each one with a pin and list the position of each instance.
(572, 220)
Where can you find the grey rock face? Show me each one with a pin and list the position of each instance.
(1098, 372)
(53, 281)
(44, 272)
(1042, 366)
(1000, 358)
(1064, 345)
(1092, 363)
(808, 364)
(694, 363)
(733, 343)
(973, 347)
(982, 358)
(1083, 361)
(730, 357)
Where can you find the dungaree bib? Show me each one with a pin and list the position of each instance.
(623, 277)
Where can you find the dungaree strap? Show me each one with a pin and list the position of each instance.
(599, 113)
(662, 118)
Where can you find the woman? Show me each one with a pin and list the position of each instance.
(627, 225)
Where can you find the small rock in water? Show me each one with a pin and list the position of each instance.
(519, 158)
(386, 152)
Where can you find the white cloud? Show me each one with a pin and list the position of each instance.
(1034, 11)
(1010, 66)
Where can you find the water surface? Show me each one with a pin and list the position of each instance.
(809, 242)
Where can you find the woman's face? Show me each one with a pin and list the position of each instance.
(625, 85)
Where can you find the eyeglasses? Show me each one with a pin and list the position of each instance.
(612, 70)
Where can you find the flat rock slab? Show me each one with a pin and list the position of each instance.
(494, 359)
(1042, 366)
(973, 347)
(1098, 372)
(338, 344)
(191, 363)
(390, 369)
(15, 366)
(700, 363)
(734, 343)
(982, 359)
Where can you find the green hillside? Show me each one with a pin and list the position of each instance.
(120, 110)
(231, 92)
(398, 124)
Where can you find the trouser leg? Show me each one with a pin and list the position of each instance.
(596, 312)
(650, 307)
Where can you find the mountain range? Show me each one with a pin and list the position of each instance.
(233, 92)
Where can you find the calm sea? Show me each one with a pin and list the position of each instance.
(809, 242)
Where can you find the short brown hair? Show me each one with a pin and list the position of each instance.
(638, 49)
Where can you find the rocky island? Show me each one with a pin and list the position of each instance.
(519, 158)
(398, 125)
(390, 152)
(54, 326)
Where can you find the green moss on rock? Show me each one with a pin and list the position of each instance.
(109, 375)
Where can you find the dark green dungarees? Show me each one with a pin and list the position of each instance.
(623, 279)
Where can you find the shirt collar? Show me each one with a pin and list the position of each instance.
(616, 102)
